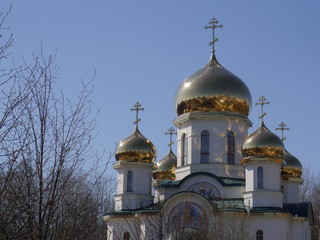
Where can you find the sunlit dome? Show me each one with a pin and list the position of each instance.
(213, 89)
(292, 166)
(166, 167)
(263, 144)
(136, 148)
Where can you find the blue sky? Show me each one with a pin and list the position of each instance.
(142, 50)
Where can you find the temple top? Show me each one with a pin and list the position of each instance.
(282, 127)
(137, 107)
(170, 132)
(262, 101)
(213, 25)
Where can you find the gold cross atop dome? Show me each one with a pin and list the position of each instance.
(213, 25)
(262, 102)
(171, 132)
(137, 107)
(282, 128)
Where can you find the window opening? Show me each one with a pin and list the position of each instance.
(260, 177)
(126, 236)
(204, 147)
(230, 143)
(259, 235)
(129, 181)
(184, 150)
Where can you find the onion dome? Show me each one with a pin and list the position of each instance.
(136, 148)
(292, 166)
(213, 89)
(166, 167)
(263, 144)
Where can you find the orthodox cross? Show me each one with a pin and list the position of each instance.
(262, 102)
(137, 107)
(171, 132)
(282, 127)
(213, 25)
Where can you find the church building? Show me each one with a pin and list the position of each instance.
(222, 183)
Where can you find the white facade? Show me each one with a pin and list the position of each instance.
(139, 195)
(220, 189)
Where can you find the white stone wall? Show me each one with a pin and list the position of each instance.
(218, 126)
(275, 226)
(291, 190)
(270, 194)
(141, 194)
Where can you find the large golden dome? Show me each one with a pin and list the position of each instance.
(166, 167)
(263, 144)
(292, 166)
(213, 89)
(136, 148)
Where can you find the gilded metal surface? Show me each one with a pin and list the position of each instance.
(213, 89)
(165, 175)
(166, 167)
(263, 143)
(292, 167)
(136, 148)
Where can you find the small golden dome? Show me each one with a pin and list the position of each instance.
(292, 166)
(213, 89)
(136, 148)
(263, 143)
(166, 167)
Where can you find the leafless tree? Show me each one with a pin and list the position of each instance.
(47, 190)
(310, 192)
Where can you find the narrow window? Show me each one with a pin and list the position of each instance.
(204, 147)
(126, 236)
(129, 181)
(184, 149)
(230, 143)
(260, 177)
(259, 235)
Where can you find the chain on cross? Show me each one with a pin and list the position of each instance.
(213, 25)
(262, 101)
(137, 107)
(282, 128)
(171, 132)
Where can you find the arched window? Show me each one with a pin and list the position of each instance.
(129, 181)
(230, 143)
(204, 147)
(184, 149)
(126, 236)
(259, 235)
(260, 177)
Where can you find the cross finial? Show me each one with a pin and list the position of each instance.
(171, 132)
(137, 107)
(213, 25)
(262, 102)
(282, 128)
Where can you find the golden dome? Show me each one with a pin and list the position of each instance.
(213, 89)
(292, 166)
(136, 148)
(263, 143)
(166, 167)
